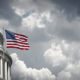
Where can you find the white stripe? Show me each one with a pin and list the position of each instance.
(18, 44)
(21, 40)
(20, 36)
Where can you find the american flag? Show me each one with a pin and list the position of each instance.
(15, 40)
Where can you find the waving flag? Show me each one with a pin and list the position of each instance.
(15, 40)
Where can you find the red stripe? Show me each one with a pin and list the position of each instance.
(19, 42)
(17, 47)
(21, 35)
(22, 39)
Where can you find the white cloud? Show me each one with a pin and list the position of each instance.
(71, 72)
(36, 20)
(62, 52)
(54, 55)
(18, 11)
(21, 72)
(64, 76)
(65, 53)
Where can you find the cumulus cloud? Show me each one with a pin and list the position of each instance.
(70, 72)
(64, 75)
(62, 52)
(21, 72)
(65, 58)
(55, 55)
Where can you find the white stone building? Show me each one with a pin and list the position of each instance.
(5, 62)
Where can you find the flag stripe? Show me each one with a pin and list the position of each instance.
(25, 43)
(21, 35)
(17, 47)
(20, 40)
(17, 41)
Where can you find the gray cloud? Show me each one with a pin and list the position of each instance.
(70, 7)
(65, 65)
(6, 12)
(40, 34)
(64, 29)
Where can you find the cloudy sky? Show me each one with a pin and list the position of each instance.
(53, 28)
